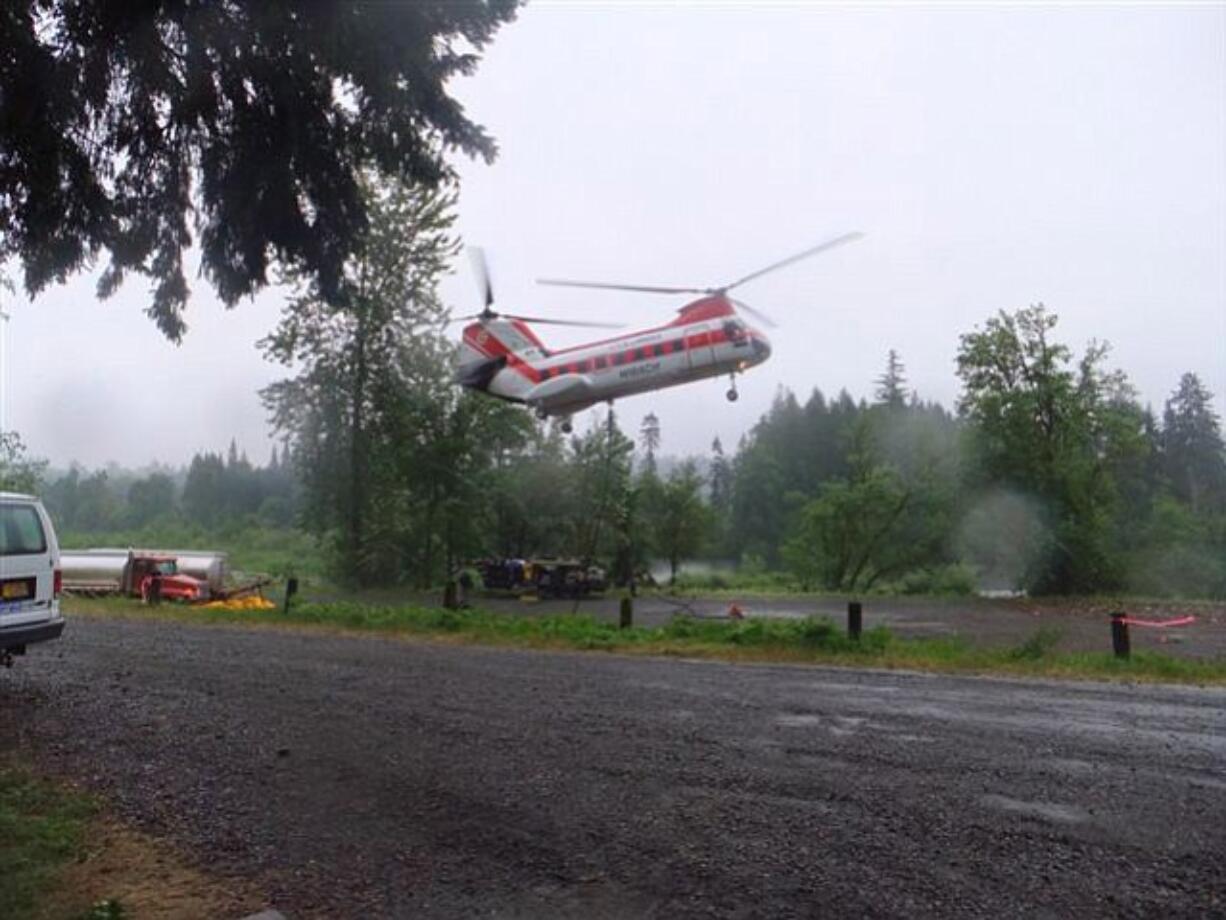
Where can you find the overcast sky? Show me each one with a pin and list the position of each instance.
(994, 158)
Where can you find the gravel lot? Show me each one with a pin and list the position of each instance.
(356, 777)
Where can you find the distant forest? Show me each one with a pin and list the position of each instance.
(1047, 476)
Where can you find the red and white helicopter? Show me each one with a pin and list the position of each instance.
(501, 355)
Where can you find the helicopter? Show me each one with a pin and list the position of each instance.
(709, 337)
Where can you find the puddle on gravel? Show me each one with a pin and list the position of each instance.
(845, 726)
(1072, 765)
(798, 720)
(1047, 811)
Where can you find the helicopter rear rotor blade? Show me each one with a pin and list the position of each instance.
(642, 288)
(482, 270)
(562, 322)
(821, 247)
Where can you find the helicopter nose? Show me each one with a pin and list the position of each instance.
(761, 348)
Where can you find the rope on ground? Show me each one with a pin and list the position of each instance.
(1159, 624)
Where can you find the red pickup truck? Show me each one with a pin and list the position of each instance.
(161, 574)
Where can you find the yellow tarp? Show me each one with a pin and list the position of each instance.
(253, 602)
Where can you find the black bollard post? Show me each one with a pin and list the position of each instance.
(291, 588)
(450, 600)
(155, 591)
(627, 613)
(855, 620)
(1119, 635)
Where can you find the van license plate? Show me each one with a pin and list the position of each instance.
(16, 590)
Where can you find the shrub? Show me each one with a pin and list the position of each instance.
(1037, 646)
(956, 580)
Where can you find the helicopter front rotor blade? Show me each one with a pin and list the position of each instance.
(821, 247)
(756, 314)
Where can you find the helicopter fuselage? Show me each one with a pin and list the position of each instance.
(708, 338)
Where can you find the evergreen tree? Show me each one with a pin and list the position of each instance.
(129, 125)
(1193, 454)
(204, 493)
(891, 386)
(149, 499)
(721, 479)
(649, 438)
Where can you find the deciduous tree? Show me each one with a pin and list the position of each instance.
(680, 520)
(1055, 431)
(367, 358)
(19, 472)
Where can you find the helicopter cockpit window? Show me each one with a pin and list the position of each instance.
(735, 333)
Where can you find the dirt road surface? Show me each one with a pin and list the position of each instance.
(360, 777)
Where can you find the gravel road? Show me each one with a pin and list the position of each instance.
(356, 777)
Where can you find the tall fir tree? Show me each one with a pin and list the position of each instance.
(649, 438)
(892, 385)
(1193, 454)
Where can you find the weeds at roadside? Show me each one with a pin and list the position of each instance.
(1039, 645)
(42, 827)
(109, 909)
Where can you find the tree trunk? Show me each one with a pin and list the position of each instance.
(428, 560)
(877, 538)
(358, 456)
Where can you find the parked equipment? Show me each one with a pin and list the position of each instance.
(542, 577)
(180, 576)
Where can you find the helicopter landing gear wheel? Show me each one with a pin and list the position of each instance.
(732, 394)
(542, 414)
(566, 426)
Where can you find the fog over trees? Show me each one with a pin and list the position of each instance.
(1049, 477)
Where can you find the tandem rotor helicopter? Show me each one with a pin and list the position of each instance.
(500, 354)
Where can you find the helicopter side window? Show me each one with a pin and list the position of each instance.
(735, 333)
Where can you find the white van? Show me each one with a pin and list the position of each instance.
(30, 578)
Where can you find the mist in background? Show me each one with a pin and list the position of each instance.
(995, 158)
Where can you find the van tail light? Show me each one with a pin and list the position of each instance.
(57, 584)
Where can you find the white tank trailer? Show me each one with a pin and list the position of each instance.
(103, 570)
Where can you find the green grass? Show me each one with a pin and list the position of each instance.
(814, 641)
(42, 827)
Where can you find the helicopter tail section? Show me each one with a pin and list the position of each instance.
(488, 346)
